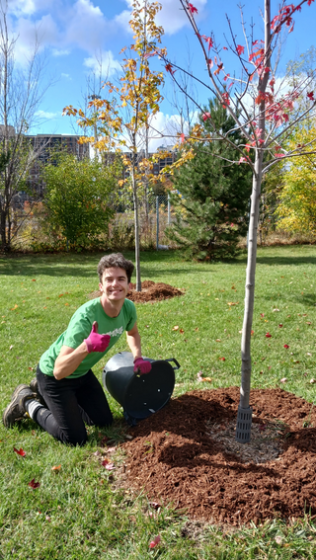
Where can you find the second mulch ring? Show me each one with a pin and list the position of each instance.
(186, 455)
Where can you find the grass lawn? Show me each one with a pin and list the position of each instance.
(77, 513)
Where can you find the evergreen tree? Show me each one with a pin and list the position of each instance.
(212, 195)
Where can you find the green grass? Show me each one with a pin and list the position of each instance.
(78, 512)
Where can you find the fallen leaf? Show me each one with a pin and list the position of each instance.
(283, 380)
(275, 309)
(222, 359)
(278, 539)
(280, 325)
(111, 449)
(252, 333)
(196, 329)
(175, 328)
(13, 308)
(19, 451)
(308, 323)
(218, 340)
(11, 347)
(268, 335)
(181, 331)
(34, 484)
(313, 380)
(240, 332)
(47, 518)
(261, 314)
(208, 379)
(154, 543)
(286, 346)
(199, 375)
(30, 368)
(34, 280)
(308, 354)
(56, 468)
(230, 303)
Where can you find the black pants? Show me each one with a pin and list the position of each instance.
(72, 403)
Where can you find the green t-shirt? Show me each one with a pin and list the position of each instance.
(80, 327)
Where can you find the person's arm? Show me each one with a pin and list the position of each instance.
(133, 341)
(68, 360)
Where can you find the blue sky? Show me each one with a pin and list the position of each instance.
(74, 35)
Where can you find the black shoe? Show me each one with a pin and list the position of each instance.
(16, 409)
(35, 389)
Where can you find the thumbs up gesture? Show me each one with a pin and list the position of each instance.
(97, 342)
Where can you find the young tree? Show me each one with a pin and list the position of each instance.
(265, 126)
(77, 196)
(213, 205)
(20, 94)
(139, 94)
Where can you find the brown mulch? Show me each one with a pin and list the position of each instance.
(176, 458)
(151, 291)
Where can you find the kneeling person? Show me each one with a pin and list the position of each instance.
(66, 395)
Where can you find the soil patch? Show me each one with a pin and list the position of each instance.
(151, 292)
(186, 454)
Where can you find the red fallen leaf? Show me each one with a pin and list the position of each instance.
(262, 427)
(154, 543)
(252, 333)
(19, 451)
(56, 468)
(280, 325)
(34, 280)
(34, 484)
(60, 295)
(261, 314)
(286, 346)
(108, 465)
(268, 335)
(222, 359)
(181, 331)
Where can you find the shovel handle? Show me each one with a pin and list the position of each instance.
(175, 361)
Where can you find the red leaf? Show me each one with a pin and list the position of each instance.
(225, 48)
(155, 505)
(261, 314)
(19, 451)
(240, 49)
(280, 325)
(310, 95)
(156, 541)
(309, 2)
(222, 359)
(286, 346)
(182, 137)
(169, 68)
(206, 116)
(268, 335)
(192, 9)
(34, 484)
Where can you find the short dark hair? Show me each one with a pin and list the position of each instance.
(116, 260)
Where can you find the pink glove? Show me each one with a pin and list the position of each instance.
(141, 366)
(97, 342)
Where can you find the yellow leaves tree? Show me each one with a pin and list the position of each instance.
(297, 208)
(124, 114)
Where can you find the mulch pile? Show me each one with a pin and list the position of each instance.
(151, 292)
(173, 457)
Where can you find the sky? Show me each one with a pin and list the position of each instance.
(73, 36)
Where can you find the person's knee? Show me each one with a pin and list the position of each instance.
(74, 439)
(105, 421)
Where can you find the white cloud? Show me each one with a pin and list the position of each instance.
(67, 76)
(29, 7)
(60, 52)
(46, 115)
(103, 65)
(33, 36)
(171, 17)
(164, 129)
(86, 26)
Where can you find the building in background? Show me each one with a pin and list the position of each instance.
(44, 145)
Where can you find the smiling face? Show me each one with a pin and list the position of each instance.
(114, 285)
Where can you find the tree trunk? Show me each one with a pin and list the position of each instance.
(136, 227)
(250, 282)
